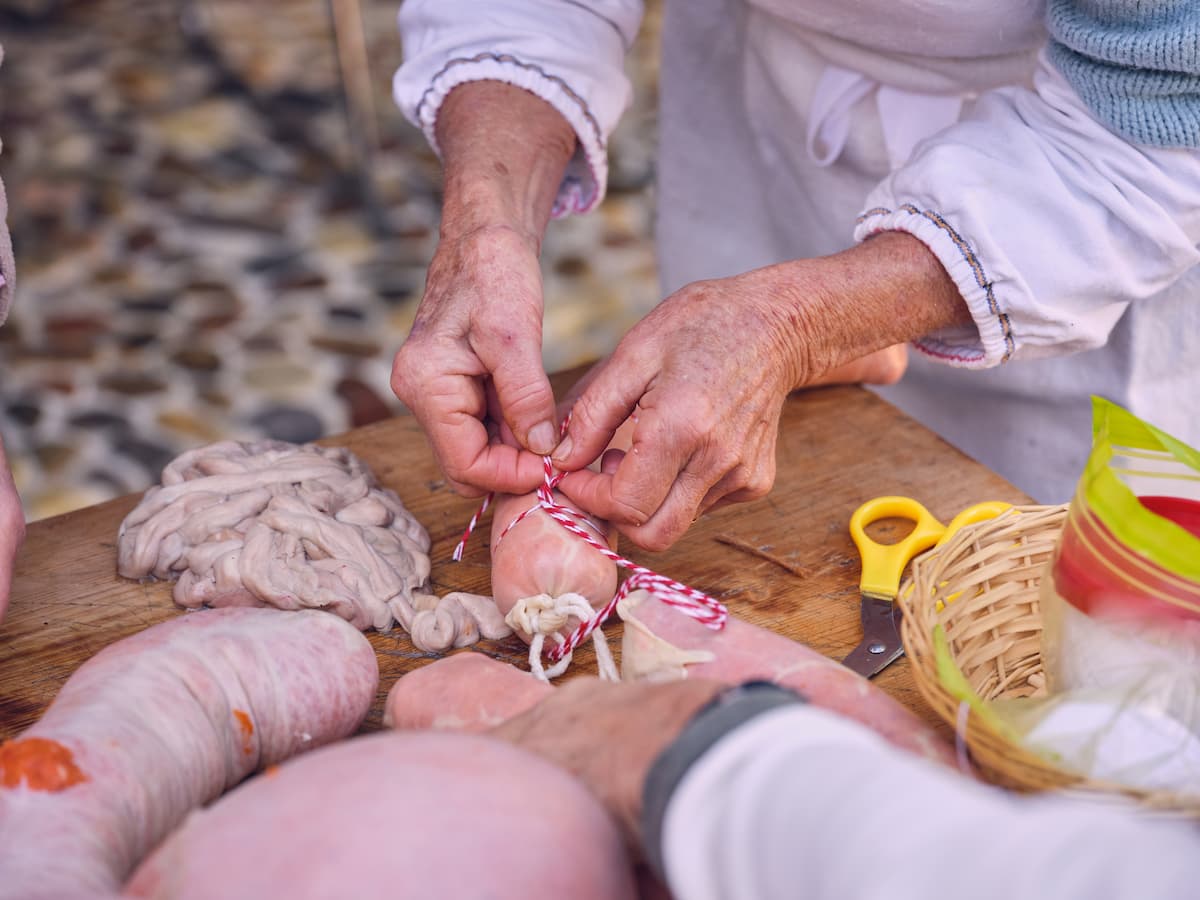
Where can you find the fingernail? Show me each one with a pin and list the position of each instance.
(564, 449)
(541, 438)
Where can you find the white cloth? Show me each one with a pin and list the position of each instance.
(800, 802)
(790, 129)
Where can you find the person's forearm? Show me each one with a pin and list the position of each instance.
(504, 151)
(888, 290)
(12, 529)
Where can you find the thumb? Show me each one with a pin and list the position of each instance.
(526, 399)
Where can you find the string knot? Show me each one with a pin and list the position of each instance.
(542, 616)
(689, 601)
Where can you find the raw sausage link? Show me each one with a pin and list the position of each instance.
(464, 692)
(397, 815)
(162, 722)
(660, 644)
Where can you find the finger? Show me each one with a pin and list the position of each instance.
(473, 465)
(513, 355)
(577, 389)
(611, 461)
(498, 429)
(602, 495)
(643, 478)
(607, 401)
(743, 484)
(676, 514)
(451, 412)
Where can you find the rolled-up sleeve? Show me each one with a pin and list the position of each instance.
(568, 52)
(1055, 208)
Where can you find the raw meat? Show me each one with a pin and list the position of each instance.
(456, 620)
(546, 580)
(397, 815)
(464, 692)
(538, 557)
(660, 644)
(277, 524)
(160, 723)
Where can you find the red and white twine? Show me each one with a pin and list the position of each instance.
(689, 601)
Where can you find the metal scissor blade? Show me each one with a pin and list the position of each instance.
(881, 645)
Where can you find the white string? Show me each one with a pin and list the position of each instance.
(542, 616)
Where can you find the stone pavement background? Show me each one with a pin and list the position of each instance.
(196, 259)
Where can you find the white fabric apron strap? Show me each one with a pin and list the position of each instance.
(906, 118)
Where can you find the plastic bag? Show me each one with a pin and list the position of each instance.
(1121, 614)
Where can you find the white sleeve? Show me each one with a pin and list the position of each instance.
(1049, 222)
(568, 52)
(799, 802)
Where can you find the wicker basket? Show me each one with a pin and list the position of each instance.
(990, 646)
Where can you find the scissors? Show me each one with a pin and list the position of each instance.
(883, 564)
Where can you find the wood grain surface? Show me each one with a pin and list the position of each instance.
(785, 562)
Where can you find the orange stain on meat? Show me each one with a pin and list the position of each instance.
(42, 764)
(271, 771)
(246, 727)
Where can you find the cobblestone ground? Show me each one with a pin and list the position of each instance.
(201, 255)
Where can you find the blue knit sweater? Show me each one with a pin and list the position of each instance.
(1135, 63)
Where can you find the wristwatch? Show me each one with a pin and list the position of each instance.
(725, 712)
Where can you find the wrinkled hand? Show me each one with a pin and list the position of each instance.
(474, 359)
(12, 530)
(706, 374)
(608, 735)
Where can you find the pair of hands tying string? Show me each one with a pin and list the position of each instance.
(708, 370)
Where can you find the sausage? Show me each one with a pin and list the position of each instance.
(661, 644)
(162, 722)
(464, 692)
(414, 814)
(538, 557)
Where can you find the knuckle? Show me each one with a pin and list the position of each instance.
(585, 416)
(629, 507)
(463, 489)
(757, 489)
(406, 371)
(456, 473)
(524, 398)
(659, 537)
(728, 458)
(760, 482)
(697, 415)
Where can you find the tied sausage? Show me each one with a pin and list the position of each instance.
(397, 815)
(160, 723)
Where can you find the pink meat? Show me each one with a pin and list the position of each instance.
(397, 815)
(465, 692)
(744, 652)
(538, 556)
(160, 723)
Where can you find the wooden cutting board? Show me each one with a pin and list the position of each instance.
(785, 562)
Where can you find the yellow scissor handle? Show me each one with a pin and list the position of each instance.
(883, 564)
(969, 516)
(972, 514)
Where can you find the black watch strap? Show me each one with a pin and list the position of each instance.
(726, 711)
